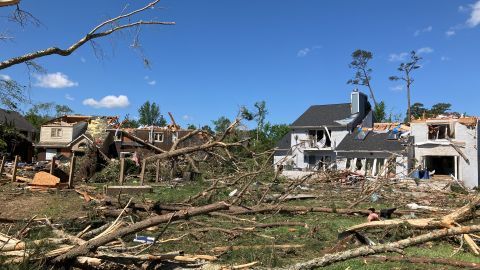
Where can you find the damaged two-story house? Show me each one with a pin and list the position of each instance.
(152, 138)
(448, 146)
(314, 136)
(74, 133)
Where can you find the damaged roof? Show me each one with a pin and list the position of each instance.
(323, 115)
(374, 141)
(466, 120)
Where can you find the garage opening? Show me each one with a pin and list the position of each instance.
(441, 165)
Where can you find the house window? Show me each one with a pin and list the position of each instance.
(319, 139)
(439, 132)
(56, 132)
(158, 137)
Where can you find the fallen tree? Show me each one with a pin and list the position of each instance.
(93, 244)
(390, 247)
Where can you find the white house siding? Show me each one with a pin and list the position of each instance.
(69, 133)
(465, 136)
(46, 134)
(299, 152)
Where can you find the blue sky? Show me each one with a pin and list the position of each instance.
(221, 55)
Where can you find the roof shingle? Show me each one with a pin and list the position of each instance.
(374, 141)
(323, 115)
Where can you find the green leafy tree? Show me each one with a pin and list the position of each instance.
(406, 69)
(39, 113)
(150, 115)
(418, 110)
(379, 112)
(9, 136)
(129, 122)
(62, 110)
(191, 126)
(221, 124)
(360, 59)
(260, 115)
(440, 108)
(207, 128)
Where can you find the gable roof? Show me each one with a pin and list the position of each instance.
(17, 119)
(323, 115)
(374, 141)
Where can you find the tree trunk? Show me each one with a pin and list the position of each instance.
(370, 250)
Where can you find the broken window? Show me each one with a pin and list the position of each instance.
(440, 131)
(158, 136)
(319, 138)
(56, 132)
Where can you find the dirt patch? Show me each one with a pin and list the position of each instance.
(16, 203)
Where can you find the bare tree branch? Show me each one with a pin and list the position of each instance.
(93, 34)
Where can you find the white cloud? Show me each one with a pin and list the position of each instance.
(394, 57)
(54, 80)
(425, 50)
(444, 58)
(5, 77)
(303, 52)
(424, 30)
(150, 82)
(462, 9)
(450, 33)
(187, 117)
(397, 88)
(474, 19)
(69, 97)
(108, 102)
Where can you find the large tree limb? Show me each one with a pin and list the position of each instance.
(93, 34)
(150, 222)
(370, 250)
(459, 215)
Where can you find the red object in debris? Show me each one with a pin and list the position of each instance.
(373, 217)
